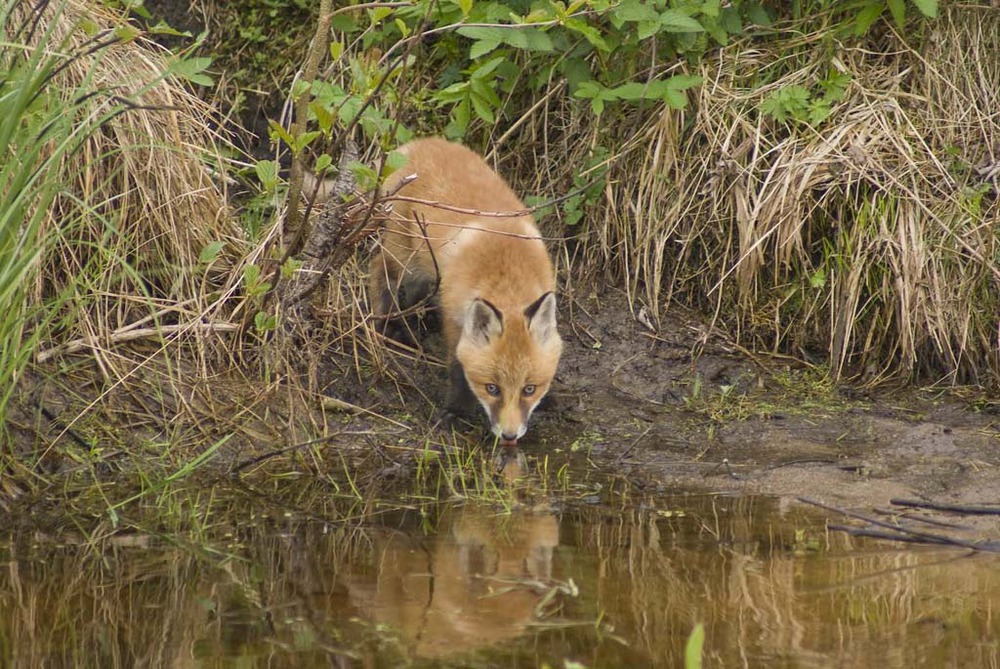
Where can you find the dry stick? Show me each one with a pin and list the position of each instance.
(342, 145)
(920, 519)
(973, 509)
(123, 335)
(874, 534)
(309, 72)
(281, 451)
(927, 537)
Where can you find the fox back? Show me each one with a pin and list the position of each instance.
(460, 234)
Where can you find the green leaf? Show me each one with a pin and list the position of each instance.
(928, 8)
(682, 82)
(630, 92)
(300, 88)
(693, 648)
(126, 33)
(278, 132)
(576, 71)
(394, 161)
(323, 163)
(344, 23)
(535, 39)
(336, 50)
(716, 30)
(290, 267)
(675, 98)
(324, 118)
(866, 17)
(483, 109)
(163, 28)
(731, 21)
(758, 15)
(192, 69)
(264, 322)
(304, 140)
(482, 47)
(589, 89)
(898, 10)
(465, 6)
(635, 10)
(711, 8)
(788, 102)
(819, 111)
(589, 33)
(675, 21)
(646, 29)
(267, 173)
(486, 92)
(493, 34)
(366, 177)
(487, 68)
(378, 13)
(818, 278)
(211, 252)
(459, 122)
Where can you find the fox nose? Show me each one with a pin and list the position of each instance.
(509, 436)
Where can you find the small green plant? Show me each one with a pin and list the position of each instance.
(796, 103)
(256, 287)
(694, 647)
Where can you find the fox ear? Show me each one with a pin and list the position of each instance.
(541, 317)
(483, 322)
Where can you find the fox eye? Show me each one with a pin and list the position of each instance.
(528, 390)
(493, 389)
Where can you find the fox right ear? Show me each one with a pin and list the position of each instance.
(483, 322)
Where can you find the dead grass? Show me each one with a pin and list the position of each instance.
(145, 198)
(873, 238)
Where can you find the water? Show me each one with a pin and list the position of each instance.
(293, 576)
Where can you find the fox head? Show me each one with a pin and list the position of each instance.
(509, 361)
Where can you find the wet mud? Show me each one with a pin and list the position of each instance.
(678, 405)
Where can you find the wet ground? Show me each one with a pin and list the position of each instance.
(658, 493)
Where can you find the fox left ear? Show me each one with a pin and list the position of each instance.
(541, 317)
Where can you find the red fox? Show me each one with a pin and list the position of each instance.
(490, 275)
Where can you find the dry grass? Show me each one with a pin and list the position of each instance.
(144, 199)
(873, 238)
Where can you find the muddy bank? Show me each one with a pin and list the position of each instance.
(678, 406)
(673, 406)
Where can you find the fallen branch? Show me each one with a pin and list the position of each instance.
(968, 509)
(899, 533)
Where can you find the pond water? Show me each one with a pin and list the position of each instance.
(287, 574)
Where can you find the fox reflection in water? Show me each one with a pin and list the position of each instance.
(475, 584)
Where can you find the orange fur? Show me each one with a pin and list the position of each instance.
(494, 279)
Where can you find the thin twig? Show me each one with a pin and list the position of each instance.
(633, 445)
